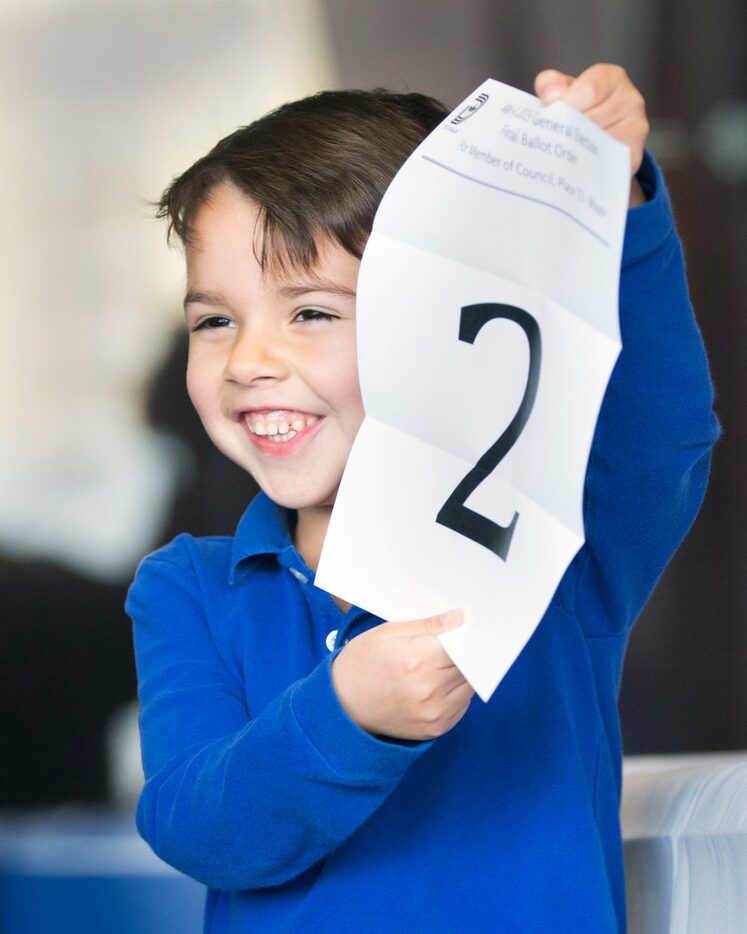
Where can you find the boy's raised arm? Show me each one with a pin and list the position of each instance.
(649, 460)
(650, 456)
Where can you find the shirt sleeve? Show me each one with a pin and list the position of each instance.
(233, 801)
(650, 455)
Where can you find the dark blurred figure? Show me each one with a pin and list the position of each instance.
(66, 666)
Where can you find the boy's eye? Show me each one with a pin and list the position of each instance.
(313, 314)
(212, 323)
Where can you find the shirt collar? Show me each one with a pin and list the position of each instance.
(264, 529)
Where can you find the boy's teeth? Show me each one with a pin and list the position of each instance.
(279, 427)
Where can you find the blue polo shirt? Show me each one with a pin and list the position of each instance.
(259, 785)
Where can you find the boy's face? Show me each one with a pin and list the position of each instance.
(272, 365)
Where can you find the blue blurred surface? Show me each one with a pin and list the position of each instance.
(89, 873)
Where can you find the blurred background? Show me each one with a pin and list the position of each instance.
(103, 102)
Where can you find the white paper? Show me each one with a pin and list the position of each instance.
(506, 204)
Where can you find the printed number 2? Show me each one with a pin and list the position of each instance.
(454, 514)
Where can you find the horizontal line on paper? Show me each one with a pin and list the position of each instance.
(508, 191)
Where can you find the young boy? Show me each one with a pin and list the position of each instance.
(323, 770)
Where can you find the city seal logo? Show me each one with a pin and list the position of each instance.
(466, 112)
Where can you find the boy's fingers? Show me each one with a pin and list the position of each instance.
(550, 84)
(595, 86)
(606, 95)
(449, 620)
(626, 121)
(603, 92)
(460, 699)
(623, 102)
(461, 692)
(431, 626)
(453, 679)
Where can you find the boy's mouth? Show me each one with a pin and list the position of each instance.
(278, 425)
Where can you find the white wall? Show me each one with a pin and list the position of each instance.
(102, 103)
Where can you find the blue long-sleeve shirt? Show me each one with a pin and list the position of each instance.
(259, 785)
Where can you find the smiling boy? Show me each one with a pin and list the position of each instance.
(318, 768)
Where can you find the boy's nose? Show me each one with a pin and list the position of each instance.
(255, 356)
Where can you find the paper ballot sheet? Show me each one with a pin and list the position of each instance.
(487, 332)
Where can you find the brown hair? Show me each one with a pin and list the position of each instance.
(319, 166)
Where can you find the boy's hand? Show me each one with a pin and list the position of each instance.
(396, 679)
(608, 97)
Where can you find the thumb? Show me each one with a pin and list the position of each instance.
(430, 626)
(550, 84)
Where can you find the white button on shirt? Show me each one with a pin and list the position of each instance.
(330, 640)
